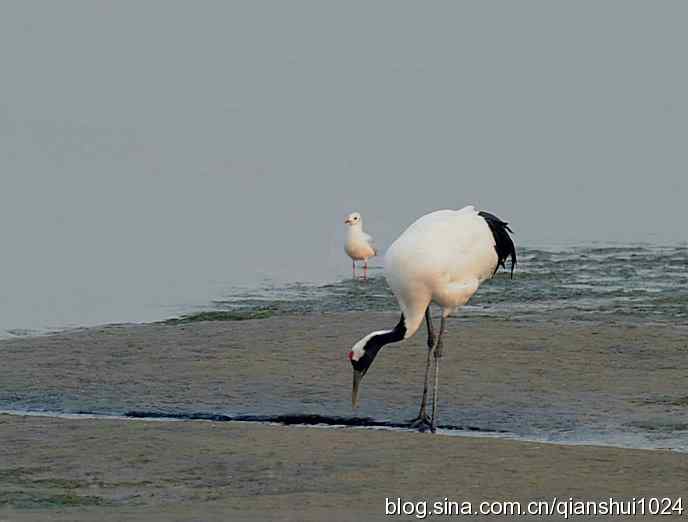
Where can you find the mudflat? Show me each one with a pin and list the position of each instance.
(590, 383)
(586, 382)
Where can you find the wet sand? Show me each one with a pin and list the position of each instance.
(609, 383)
(62, 469)
(568, 382)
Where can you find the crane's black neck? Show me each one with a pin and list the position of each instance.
(376, 342)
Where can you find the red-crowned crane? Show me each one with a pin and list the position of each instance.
(441, 258)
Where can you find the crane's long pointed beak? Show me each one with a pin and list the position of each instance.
(354, 393)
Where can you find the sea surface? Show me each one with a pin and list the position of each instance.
(636, 283)
(589, 282)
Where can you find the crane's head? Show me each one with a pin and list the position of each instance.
(362, 356)
(363, 353)
(353, 219)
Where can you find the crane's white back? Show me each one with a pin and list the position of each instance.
(442, 257)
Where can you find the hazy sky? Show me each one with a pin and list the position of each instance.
(167, 143)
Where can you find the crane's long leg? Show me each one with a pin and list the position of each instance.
(431, 332)
(423, 421)
(438, 356)
(353, 268)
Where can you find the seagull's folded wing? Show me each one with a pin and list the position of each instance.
(369, 239)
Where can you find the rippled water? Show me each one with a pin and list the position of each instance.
(635, 283)
(604, 282)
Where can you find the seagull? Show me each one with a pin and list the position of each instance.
(359, 245)
(442, 258)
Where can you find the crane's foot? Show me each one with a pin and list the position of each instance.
(421, 423)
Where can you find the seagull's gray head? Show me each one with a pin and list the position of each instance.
(353, 219)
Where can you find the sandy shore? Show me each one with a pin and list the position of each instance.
(561, 382)
(59, 469)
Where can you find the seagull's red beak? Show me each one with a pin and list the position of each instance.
(348, 221)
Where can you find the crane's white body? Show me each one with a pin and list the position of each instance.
(443, 257)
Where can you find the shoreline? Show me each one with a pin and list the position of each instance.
(265, 313)
(443, 432)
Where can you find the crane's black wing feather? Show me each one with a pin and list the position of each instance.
(503, 243)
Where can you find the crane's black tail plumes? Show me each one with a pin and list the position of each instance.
(503, 243)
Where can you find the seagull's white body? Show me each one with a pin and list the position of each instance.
(359, 246)
(443, 257)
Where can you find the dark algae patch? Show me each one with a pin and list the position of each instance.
(21, 488)
(667, 401)
(220, 315)
(664, 426)
(26, 500)
(295, 420)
